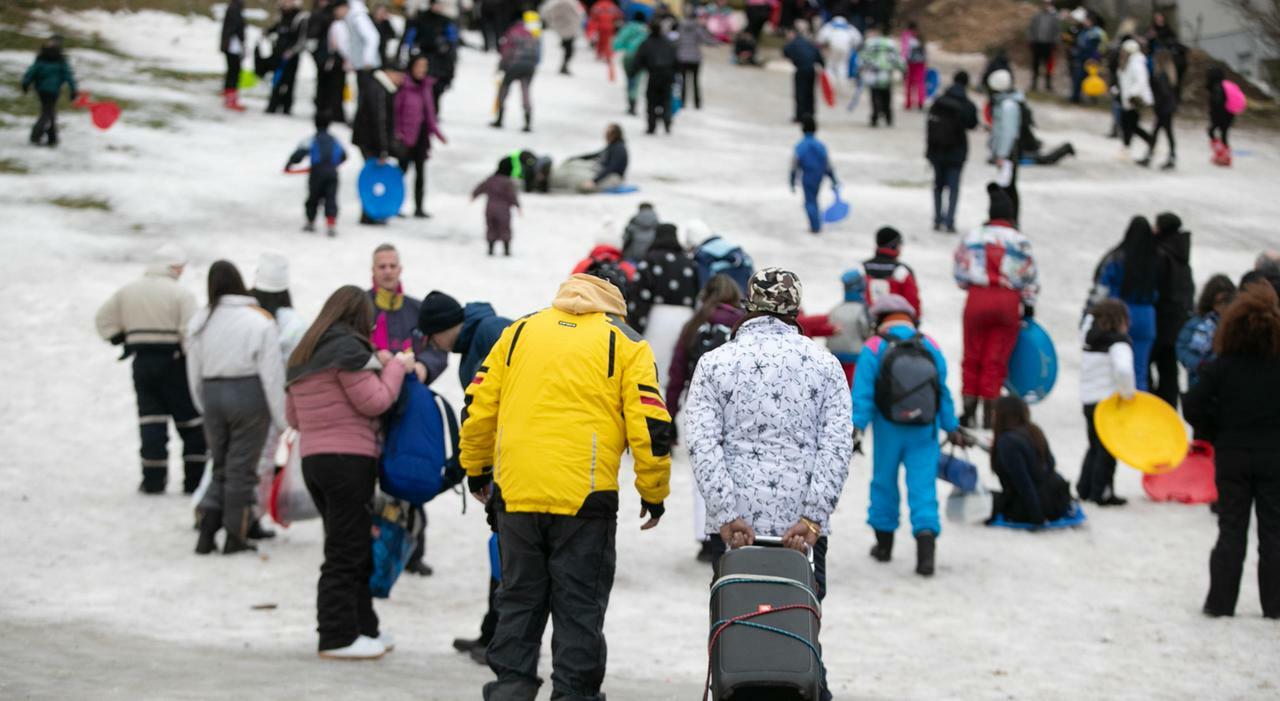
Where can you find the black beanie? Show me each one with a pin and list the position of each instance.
(439, 312)
(888, 237)
(1001, 206)
(1168, 223)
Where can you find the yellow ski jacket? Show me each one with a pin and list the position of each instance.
(562, 393)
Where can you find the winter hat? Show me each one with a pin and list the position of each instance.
(855, 285)
(891, 304)
(695, 232)
(888, 237)
(170, 255)
(1080, 14)
(1131, 46)
(666, 238)
(1168, 223)
(961, 78)
(1000, 81)
(439, 313)
(775, 291)
(1001, 206)
(273, 272)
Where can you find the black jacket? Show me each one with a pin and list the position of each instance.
(612, 160)
(233, 26)
(656, 55)
(959, 114)
(373, 131)
(432, 39)
(1031, 489)
(1175, 290)
(804, 54)
(667, 275)
(1235, 406)
(1165, 94)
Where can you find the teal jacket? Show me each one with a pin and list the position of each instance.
(49, 72)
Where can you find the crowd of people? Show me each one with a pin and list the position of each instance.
(668, 334)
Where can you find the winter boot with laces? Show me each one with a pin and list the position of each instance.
(882, 551)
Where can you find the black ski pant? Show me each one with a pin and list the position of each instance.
(330, 83)
(757, 17)
(160, 381)
(1219, 126)
(47, 123)
(559, 567)
(322, 188)
(1097, 474)
(946, 177)
(342, 488)
(236, 422)
(1246, 479)
(438, 90)
(1041, 56)
(567, 46)
(1051, 158)
(1164, 358)
(1012, 189)
(689, 75)
(804, 78)
(1164, 123)
(1130, 127)
(282, 87)
(416, 158)
(657, 95)
(524, 78)
(231, 80)
(882, 105)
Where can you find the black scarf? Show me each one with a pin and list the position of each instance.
(339, 348)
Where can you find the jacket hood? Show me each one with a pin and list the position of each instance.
(665, 239)
(647, 218)
(1176, 244)
(472, 314)
(588, 294)
(726, 315)
(1098, 341)
(606, 251)
(959, 91)
(339, 348)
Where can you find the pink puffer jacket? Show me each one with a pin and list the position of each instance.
(336, 411)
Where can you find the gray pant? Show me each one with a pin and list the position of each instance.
(236, 420)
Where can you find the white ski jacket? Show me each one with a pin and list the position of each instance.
(239, 340)
(770, 429)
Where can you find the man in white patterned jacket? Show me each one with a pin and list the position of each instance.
(768, 423)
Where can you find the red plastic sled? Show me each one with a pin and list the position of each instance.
(104, 114)
(1191, 483)
(828, 92)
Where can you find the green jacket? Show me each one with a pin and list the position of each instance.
(49, 72)
(630, 37)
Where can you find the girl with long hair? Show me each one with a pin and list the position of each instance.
(1031, 489)
(1128, 273)
(1164, 89)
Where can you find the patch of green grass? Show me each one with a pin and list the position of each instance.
(19, 105)
(81, 202)
(157, 123)
(906, 183)
(14, 40)
(180, 76)
(10, 166)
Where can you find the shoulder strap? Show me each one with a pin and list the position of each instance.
(451, 420)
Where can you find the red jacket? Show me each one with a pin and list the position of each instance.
(887, 275)
(609, 254)
(336, 411)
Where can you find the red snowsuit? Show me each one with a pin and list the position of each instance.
(602, 24)
(994, 264)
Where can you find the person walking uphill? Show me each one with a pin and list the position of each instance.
(657, 57)
(813, 165)
(1130, 273)
(951, 117)
(520, 54)
(1175, 299)
(993, 263)
(807, 59)
(337, 389)
(1044, 32)
(48, 74)
(1235, 406)
(632, 35)
(373, 130)
(900, 392)
(1006, 135)
(290, 32)
(564, 17)
(559, 398)
(880, 58)
(501, 197)
(325, 155)
(692, 35)
(232, 47)
(237, 383)
(888, 275)
(415, 124)
(149, 317)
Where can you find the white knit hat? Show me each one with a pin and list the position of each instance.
(273, 272)
(1000, 81)
(170, 255)
(1131, 46)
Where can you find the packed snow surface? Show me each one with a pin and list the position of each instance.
(102, 597)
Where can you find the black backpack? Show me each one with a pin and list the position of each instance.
(708, 338)
(1027, 141)
(944, 130)
(908, 389)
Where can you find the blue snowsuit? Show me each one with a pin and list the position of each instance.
(896, 444)
(812, 165)
(481, 327)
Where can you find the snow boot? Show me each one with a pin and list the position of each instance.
(464, 645)
(363, 648)
(309, 227)
(420, 568)
(154, 480)
(528, 121)
(926, 547)
(331, 227)
(231, 100)
(210, 524)
(631, 107)
(235, 544)
(480, 655)
(882, 551)
(239, 540)
(968, 418)
(497, 123)
(988, 413)
(1169, 164)
(257, 532)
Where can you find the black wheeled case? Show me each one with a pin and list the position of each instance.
(749, 663)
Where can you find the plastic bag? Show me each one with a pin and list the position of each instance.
(290, 500)
(969, 506)
(395, 533)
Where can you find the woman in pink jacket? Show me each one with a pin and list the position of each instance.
(415, 121)
(337, 388)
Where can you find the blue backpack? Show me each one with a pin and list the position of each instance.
(418, 450)
(717, 256)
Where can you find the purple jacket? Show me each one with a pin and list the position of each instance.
(681, 370)
(415, 108)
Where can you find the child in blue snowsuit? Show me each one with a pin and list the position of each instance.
(325, 154)
(812, 165)
(914, 446)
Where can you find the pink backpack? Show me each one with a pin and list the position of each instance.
(1236, 102)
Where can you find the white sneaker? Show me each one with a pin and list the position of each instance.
(387, 641)
(364, 648)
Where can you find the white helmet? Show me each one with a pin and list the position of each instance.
(1000, 81)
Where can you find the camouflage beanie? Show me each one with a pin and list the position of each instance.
(775, 291)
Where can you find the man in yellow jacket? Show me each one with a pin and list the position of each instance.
(559, 398)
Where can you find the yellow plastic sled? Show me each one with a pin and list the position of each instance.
(1144, 433)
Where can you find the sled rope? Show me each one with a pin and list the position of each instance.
(765, 579)
(744, 620)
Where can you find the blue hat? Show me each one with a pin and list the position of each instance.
(855, 285)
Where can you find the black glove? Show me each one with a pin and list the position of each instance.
(453, 474)
(1028, 311)
(479, 482)
(655, 510)
(857, 441)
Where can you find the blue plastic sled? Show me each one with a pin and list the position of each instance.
(1074, 518)
(381, 189)
(931, 81)
(1033, 367)
(621, 189)
(838, 209)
